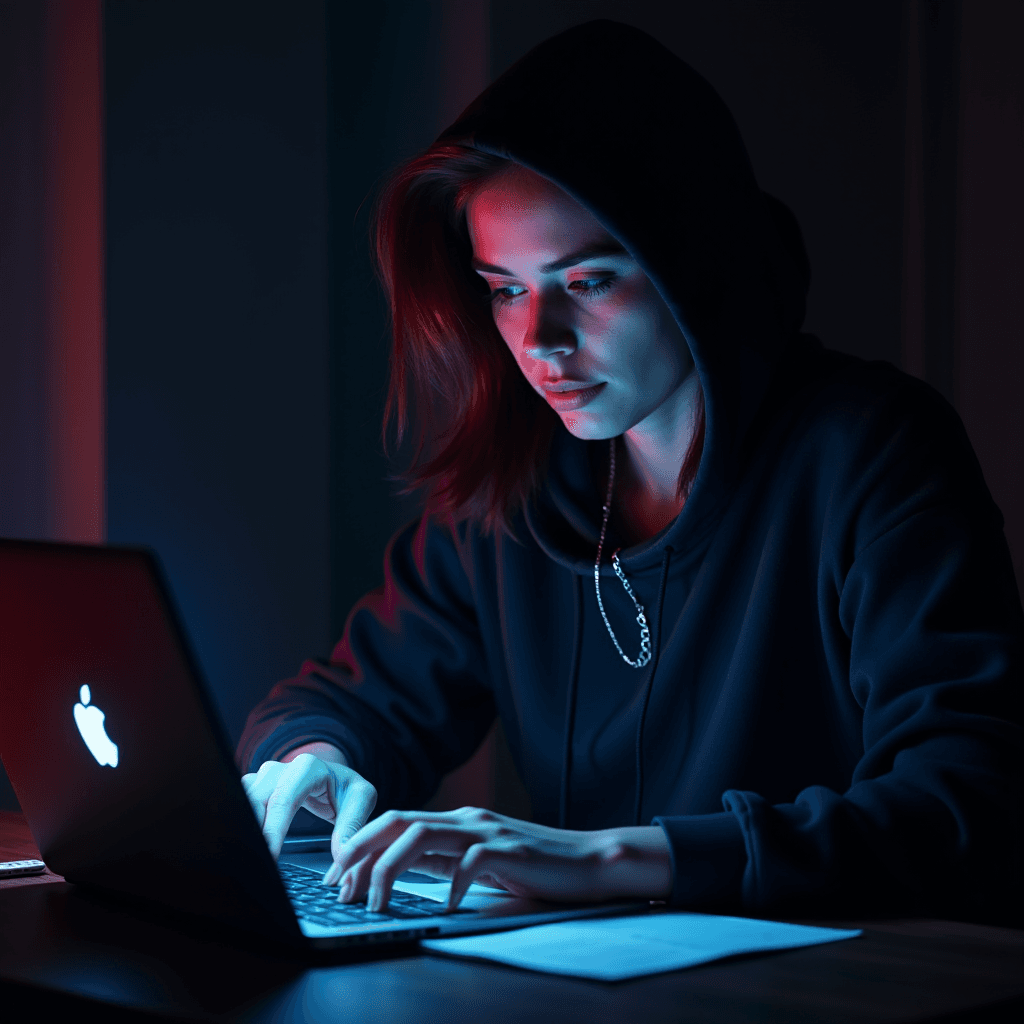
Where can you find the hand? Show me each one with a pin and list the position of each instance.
(331, 791)
(525, 859)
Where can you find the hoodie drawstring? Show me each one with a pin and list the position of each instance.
(650, 684)
(570, 700)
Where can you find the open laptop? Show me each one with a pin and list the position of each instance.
(125, 775)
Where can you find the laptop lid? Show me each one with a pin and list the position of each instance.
(123, 768)
(119, 760)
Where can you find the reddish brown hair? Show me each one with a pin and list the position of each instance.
(485, 431)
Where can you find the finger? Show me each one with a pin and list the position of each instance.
(296, 781)
(489, 881)
(437, 865)
(479, 859)
(357, 857)
(259, 785)
(357, 803)
(419, 838)
(248, 783)
(355, 882)
(378, 835)
(371, 838)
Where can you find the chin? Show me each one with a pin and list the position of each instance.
(588, 428)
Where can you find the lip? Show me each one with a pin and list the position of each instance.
(574, 399)
(565, 384)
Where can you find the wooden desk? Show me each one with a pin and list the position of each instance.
(64, 951)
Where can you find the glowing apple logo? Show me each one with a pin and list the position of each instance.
(90, 724)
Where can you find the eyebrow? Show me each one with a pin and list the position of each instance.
(588, 252)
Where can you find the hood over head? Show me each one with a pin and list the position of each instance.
(635, 135)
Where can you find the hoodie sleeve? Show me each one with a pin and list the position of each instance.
(921, 619)
(406, 693)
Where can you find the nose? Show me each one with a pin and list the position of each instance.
(549, 330)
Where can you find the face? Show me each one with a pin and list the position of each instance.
(576, 310)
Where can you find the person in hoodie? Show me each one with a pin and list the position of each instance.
(743, 604)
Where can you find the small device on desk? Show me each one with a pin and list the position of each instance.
(13, 868)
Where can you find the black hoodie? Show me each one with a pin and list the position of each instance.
(829, 722)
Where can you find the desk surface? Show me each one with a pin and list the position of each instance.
(58, 943)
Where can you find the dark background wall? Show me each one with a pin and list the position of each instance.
(246, 344)
(218, 395)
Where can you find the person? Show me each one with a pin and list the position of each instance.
(743, 604)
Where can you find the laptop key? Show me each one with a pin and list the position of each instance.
(318, 902)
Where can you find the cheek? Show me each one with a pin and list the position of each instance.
(642, 339)
(629, 316)
(511, 324)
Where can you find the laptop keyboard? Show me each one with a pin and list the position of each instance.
(317, 902)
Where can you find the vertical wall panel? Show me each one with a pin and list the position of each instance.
(913, 333)
(990, 287)
(24, 473)
(75, 236)
(963, 242)
(51, 275)
(465, 56)
(51, 271)
(939, 43)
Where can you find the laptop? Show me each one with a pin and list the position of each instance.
(127, 779)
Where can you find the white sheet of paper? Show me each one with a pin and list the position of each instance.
(610, 949)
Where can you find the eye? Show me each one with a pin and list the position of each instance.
(588, 287)
(501, 296)
(591, 286)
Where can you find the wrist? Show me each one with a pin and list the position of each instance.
(634, 862)
(324, 751)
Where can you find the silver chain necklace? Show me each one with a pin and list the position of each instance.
(645, 634)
